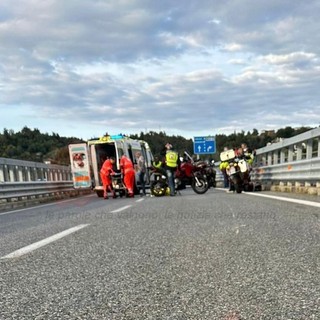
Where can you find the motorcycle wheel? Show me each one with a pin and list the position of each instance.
(158, 189)
(238, 188)
(237, 181)
(201, 187)
(238, 185)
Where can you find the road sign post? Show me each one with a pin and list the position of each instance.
(204, 145)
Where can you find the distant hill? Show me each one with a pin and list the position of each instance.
(32, 145)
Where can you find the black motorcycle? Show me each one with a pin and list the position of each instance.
(159, 185)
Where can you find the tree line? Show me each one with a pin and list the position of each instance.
(32, 145)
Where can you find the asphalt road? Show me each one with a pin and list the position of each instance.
(213, 256)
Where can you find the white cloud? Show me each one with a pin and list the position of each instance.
(293, 57)
(238, 62)
(233, 47)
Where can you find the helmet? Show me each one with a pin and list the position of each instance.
(168, 145)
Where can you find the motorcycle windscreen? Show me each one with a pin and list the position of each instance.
(227, 155)
(243, 165)
(80, 166)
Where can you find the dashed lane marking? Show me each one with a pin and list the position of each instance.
(121, 209)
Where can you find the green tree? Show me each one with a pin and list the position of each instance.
(286, 132)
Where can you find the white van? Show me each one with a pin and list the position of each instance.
(87, 159)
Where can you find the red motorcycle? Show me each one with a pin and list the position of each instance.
(191, 173)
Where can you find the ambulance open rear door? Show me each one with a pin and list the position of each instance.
(80, 165)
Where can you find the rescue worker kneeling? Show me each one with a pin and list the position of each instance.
(127, 169)
(157, 168)
(105, 172)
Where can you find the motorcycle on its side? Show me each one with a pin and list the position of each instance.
(191, 173)
(159, 185)
(237, 170)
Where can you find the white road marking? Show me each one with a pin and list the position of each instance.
(139, 200)
(41, 243)
(305, 202)
(121, 209)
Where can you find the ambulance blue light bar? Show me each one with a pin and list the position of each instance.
(117, 136)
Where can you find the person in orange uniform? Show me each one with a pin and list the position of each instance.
(127, 169)
(105, 171)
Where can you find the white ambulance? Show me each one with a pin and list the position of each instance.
(87, 159)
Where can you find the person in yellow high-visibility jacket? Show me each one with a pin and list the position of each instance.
(171, 165)
(223, 168)
(248, 154)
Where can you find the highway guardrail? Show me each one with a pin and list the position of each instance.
(21, 194)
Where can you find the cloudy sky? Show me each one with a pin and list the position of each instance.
(85, 67)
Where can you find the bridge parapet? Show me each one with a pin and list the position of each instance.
(26, 182)
(13, 170)
(291, 165)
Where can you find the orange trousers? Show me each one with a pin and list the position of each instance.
(128, 180)
(106, 182)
